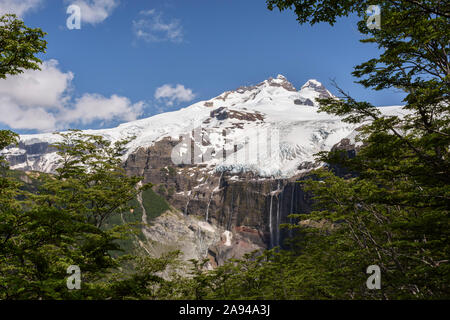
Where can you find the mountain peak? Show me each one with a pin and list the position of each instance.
(314, 89)
(270, 90)
(313, 83)
(279, 81)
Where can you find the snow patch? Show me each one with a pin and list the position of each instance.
(227, 237)
(206, 226)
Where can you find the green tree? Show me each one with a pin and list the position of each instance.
(19, 46)
(62, 220)
(62, 224)
(395, 212)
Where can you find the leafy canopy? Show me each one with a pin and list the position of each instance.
(19, 46)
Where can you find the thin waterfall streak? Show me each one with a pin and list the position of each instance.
(207, 208)
(292, 209)
(270, 221)
(280, 201)
(210, 198)
(278, 218)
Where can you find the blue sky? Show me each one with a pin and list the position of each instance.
(127, 49)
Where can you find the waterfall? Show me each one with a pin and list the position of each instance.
(187, 205)
(144, 214)
(230, 215)
(292, 208)
(207, 208)
(270, 221)
(275, 232)
(280, 197)
(210, 198)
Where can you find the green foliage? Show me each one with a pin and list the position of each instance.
(162, 190)
(19, 45)
(69, 218)
(64, 224)
(316, 11)
(395, 212)
(7, 138)
(145, 280)
(154, 204)
(131, 219)
(270, 275)
(391, 224)
(172, 171)
(170, 192)
(95, 181)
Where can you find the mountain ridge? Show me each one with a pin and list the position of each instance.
(273, 109)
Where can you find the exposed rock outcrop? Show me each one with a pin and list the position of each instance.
(250, 208)
(175, 231)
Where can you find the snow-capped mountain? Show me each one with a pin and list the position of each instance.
(269, 128)
(229, 165)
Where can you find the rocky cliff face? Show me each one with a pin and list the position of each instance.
(245, 208)
(36, 156)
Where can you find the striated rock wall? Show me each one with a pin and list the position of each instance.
(245, 210)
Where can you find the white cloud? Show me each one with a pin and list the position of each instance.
(171, 94)
(42, 100)
(19, 7)
(17, 117)
(93, 107)
(44, 88)
(151, 27)
(95, 11)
